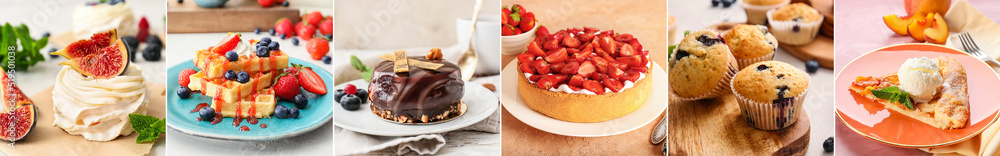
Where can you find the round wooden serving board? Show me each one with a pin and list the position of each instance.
(717, 127)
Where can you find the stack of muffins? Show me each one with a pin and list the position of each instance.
(707, 65)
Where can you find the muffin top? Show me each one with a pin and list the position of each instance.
(700, 63)
(750, 41)
(770, 81)
(763, 2)
(796, 12)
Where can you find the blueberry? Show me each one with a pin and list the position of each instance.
(243, 77)
(256, 31)
(206, 113)
(781, 91)
(301, 101)
(229, 75)
(112, 2)
(271, 31)
(295, 41)
(327, 59)
(363, 94)
(232, 56)
(283, 36)
(264, 41)
(812, 66)
(184, 92)
(52, 50)
(828, 144)
(46, 34)
(795, 28)
(153, 39)
(715, 3)
(727, 3)
(263, 52)
(284, 3)
(280, 111)
(350, 102)
(293, 113)
(152, 52)
(762, 67)
(681, 54)
(329, 37)
(707, 41)
(273, 46)
(338, 94)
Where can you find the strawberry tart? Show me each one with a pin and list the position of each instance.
(584, 74)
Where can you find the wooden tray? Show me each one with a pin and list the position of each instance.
(820, 49)
(235, 16)
(718, 127)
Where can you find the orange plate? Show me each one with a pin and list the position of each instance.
(874, 121)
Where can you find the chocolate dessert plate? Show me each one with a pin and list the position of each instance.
(318, 113)
(480, 103)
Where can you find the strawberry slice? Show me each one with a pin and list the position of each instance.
(613, 84)
(535, 78)
(590, 30)
(547, 82)
(311, 81)
(528, 68)
(627, 50)
(534, 49)
(583, 55)
(631, 76)
(600, 63)
(586, 69)
(619, 65)
(598, 76)
(571, 42)
(586, 37)
(594, 86)
(574, 88)
(542, 67)
(609, 45)
(570, 68)
(614, 72)
(556, 67)
(641, 69)
(632, 61)
(572, 51)
(576, 80)
(635, 44)
(557, 55)
(551, 44)
(560, 78)
(623, 38)
(227, 44)
(526, 58)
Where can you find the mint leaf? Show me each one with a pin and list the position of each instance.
(147, 137)
(366, 73)
(148, 127)
(159, 126)
(894, 95)
(905, 100)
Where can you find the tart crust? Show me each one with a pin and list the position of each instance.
(581, 107)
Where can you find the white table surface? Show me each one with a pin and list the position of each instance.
(181, 48)
(696, 15)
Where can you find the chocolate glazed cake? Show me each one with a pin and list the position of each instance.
(419, 95)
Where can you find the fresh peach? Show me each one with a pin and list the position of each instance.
(898, 24)
(915, 7)
(916, 29)
(938, 33)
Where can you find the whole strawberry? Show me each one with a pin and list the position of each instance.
(143, 30)
(305, 30)
(326, 27)
(286, 87)
(183, 77)
(313, 18)
(265, 3)
(317, 48)
(284, 26)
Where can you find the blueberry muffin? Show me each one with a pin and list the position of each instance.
(795, 24)
(770, 93)
(751, 44)
(757, 9)
(701, 66)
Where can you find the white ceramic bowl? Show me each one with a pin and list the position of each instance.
(513, 45)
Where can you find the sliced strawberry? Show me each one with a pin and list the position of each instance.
(542, 67)
(590, 30)
(534, 49)
(559, 35)
(535, 77)
(642, 69)
(613, 84)
(551, 45)
(571, 42)
(614, 72)
(547, 81)
(583, 55)
(594, 86)
(608, 32)
(574, 88)
(227, 44)
(528, 68)
(600, 63)
(601, 52)
(626, 50)
(540, 40)
(586, 37)
(570, 68)
(542, 31)
(631, 76)
(526, 58)
(623, 38)
(608, 44)
(633, 61)
(608, 57)
(311, 81)
(586, 69)
(635, 44)
(598, 76)
(557, 67)
(557, 56)
(572, 51)
(619, 65)
(576, 80)
(560, 78)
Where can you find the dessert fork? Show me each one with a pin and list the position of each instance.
(973, 49)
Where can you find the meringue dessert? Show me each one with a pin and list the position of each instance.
(98, 109)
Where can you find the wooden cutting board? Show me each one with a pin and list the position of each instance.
(235, 16)
(718, 127)
(820, 49)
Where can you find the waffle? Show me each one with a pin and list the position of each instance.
(258, 105)
(229, 91)
(215, 65)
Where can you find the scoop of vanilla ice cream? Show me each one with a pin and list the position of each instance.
(920, 77)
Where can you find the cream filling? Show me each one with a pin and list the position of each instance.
(98, 109)
(89, 20)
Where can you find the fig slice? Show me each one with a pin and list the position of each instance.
(102, 56)
(17, 113)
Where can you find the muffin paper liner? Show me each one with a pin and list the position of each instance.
(767, 115)
(783, 30)
(757, 14)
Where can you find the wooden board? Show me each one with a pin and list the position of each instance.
(820, 49)
(235, 16)
(718, 127)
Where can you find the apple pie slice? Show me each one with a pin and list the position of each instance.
(949, 107)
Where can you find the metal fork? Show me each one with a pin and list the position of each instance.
(971, 48)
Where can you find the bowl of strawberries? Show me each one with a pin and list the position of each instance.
(518, 27)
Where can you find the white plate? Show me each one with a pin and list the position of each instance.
(481, 104)
(656, 102)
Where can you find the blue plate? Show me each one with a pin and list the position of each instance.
(319, 112)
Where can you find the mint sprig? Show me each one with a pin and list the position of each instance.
(148, 127)
(366, 73)
(894, 94)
